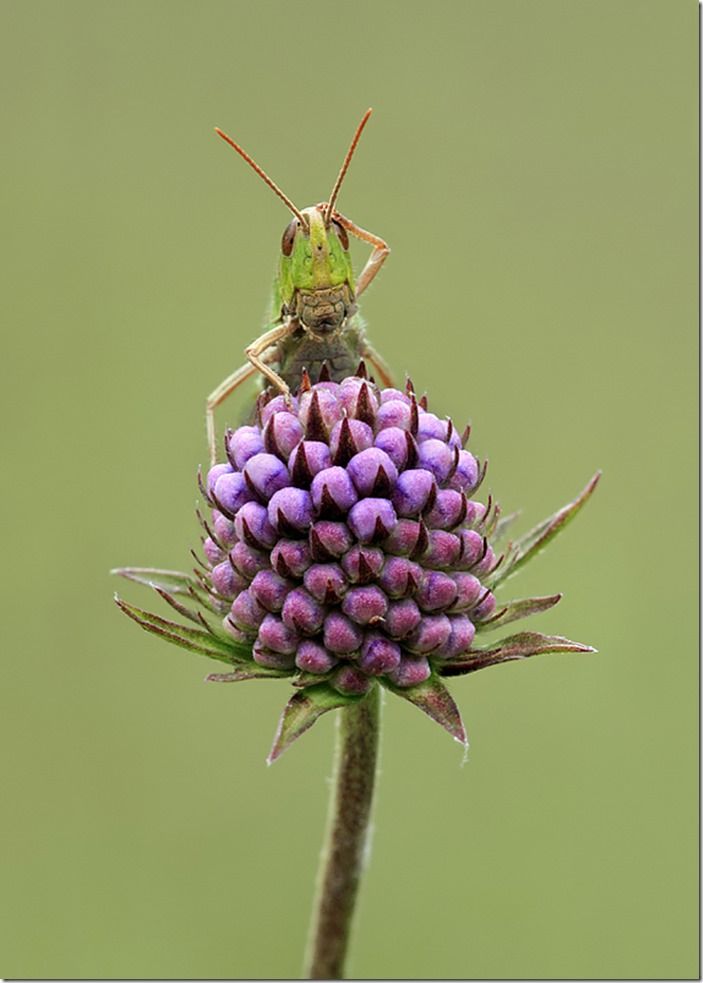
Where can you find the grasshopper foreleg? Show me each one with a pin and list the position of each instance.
(381, 251)
(258, 356)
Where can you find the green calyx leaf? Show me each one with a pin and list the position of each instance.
(193, 639)
(533, 542)
(170, 580)
(301, 712)
(243, 673)
(515, 610)
(521, 646)
(434, 699)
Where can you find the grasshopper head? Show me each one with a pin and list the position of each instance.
(315, 282)
(315, 274)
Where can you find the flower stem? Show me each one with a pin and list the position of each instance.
(342, 857)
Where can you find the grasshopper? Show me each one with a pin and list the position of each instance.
(313, 322)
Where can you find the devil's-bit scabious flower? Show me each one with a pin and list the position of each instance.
(345, 548)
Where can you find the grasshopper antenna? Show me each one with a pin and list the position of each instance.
(345, 166)
(264, 176)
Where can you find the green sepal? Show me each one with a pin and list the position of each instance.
(301, 712)
(503, 525)
(515, 610)
(192, 639)
(434, 699)
(304, 679)
(243, 673)
(521, 646)
(534, 541)
(170, 580)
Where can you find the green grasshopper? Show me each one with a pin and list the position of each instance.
(313, 309)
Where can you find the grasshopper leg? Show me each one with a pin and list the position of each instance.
(381, 251)
(258, 356)
(379, 363)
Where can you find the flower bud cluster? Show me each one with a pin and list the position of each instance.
(344, 541)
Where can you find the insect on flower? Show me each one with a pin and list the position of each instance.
(314, 321)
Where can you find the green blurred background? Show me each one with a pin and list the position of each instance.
(533, 166)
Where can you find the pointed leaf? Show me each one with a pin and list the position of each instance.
(301, 712)
(189, 638)
(520, 646)
(434, 699)
(195, 616)
(245, 672)
(170, 580)
(536, 539)
(515, 610)
(502, 525)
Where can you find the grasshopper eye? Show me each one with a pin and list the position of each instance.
(289, 237)
(341, 235)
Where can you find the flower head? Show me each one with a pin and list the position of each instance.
(346, 549)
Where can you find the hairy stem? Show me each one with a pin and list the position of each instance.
(342, 857)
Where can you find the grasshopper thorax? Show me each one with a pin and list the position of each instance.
(315, 276)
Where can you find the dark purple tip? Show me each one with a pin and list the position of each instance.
(348, 438)
(362, 564)
(371, 470)
(333, 493)
(309, 457)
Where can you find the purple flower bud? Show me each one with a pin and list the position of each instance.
(212, 552)
(348, 437)
(322, 401)
(486, 564)
(309, 457)
(394, 413)
(410, 672)
(379, 654)
(390, 394)
(400, 576)
(329, 540)
(372, 519)
(279, 404)
(372, 472)
(277, 636)
(270, 590)
(272, 660)
(437, 592)
(266, 473)
(247, 561)
(365, 605)
(472, 548)
(226, 581)
(362, 563)
(246, 613)
(430, 427)
(326, 582)
(224, 529)
(350, 681)
(412, 491)
(443, 549)
(332, 491)
(394, 442)
(231, 491)
(290, 510)
(359, 400)
(282, 433)
(449, 508)
(460, 638)
(302, 612)
(290, 558)
(485, 609)
(404, 538)
(253, 527)
(236, 634)
(469, 590)
(215, 472)
(466, 475)
(402, 618)
(341, 635)
(437, 457)
(244, 443)
(433, 631)
(313, 657)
